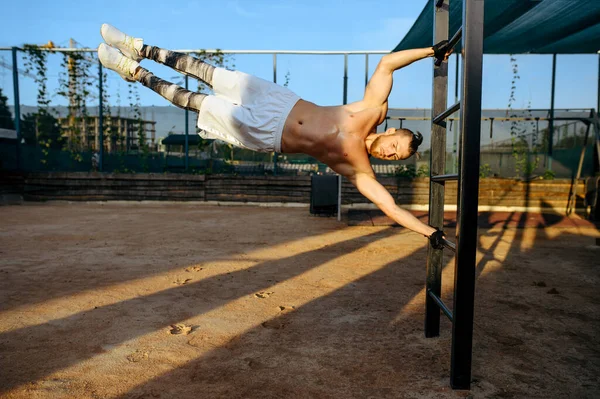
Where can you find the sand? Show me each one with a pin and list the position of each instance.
(187, 301)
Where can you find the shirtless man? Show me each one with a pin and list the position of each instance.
(253, 113)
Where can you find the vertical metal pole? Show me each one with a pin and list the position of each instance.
(455, 130)
(573, 199)
(274, 67)
(17, 105)
(437, 165)
(468, 183)
(187, 132)
(597, 152)
(100, 120)
(551, 129)
(339, 204)
(274, 81)
(345, 101)
(366, 70)
(537, 129)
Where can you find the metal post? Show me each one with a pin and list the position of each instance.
(437, 166)
(345, 101)
(339, 208)
(274, 81)
(366, 70)
(100, 120)
(597, 152)
(187, 131)
(17, 105)
(275, 68)
(468, 183)
(551, 128)
(573, 198)
(455, 130)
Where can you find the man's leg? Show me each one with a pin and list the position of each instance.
(175, 94)
(131, 70)
(135, 49)
(180, 62)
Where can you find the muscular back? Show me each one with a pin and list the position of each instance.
(333, 135)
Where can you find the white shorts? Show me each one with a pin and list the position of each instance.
(245, 111)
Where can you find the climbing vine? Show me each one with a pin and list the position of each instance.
(107, 126)
(134, 103)
(75, 82)
(45, 131)
(520, 147)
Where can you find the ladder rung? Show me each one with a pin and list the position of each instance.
(457, 36)
(446, 113)
(449, 244)
(451, 44)
(441, 304)
(443, 178)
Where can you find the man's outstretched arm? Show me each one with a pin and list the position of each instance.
(374, 191)
(380, 85)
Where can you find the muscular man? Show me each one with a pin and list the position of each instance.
(253, 113)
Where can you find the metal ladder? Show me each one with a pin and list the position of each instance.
(461, 315)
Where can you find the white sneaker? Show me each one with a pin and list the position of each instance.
(129, 46)
(112, 58)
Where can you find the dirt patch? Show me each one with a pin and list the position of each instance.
(143, 300)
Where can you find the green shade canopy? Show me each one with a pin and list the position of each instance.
(521, 26)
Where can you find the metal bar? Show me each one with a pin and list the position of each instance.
(212, 51)
(598, 99)
(449, 244)
(457, 36)
(187, 131)
(438, 301)
(17, 105)
(468, 183)
(275, 81)
(345, 97)
(597, 152)
(437, 165)
(339, 204)
(456, 78)
(366, 70)
(495, 118)
(100, 120)
(551, 127)
(446, 113)
(443, 178)
(345, 101)
(274, 68)
(455, 130)
(451, 44)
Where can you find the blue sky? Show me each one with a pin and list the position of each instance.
(283, 25)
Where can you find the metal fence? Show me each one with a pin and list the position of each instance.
(94, 132)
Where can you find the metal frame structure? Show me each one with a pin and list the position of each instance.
(465, 248)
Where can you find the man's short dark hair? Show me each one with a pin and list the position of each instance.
(416, 139)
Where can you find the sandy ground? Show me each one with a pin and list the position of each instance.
(187, 301)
